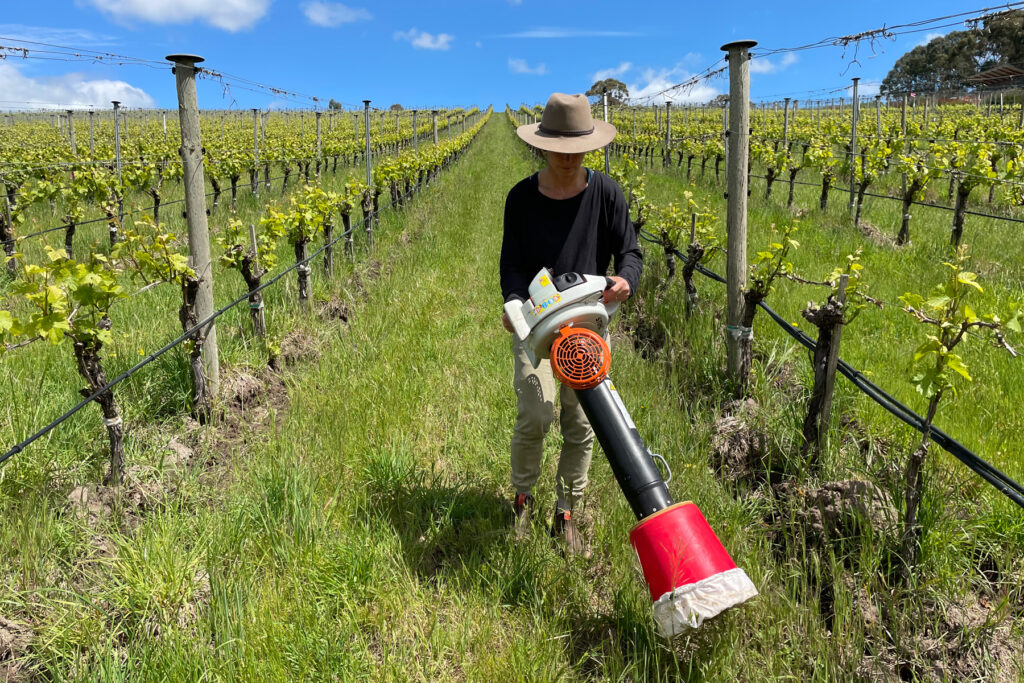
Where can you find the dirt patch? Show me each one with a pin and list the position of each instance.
(140, 492)
(178, 455)
(873, 234)
(298, 346)
(333, 309)
(243, 389)
(964, 640)
(90, 503)
(15, 645)
(739, 448)
(835, 511)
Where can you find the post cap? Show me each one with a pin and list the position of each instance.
(739, 45)
(116, 103)
(184, 59)
(366, 102)
(856, 78)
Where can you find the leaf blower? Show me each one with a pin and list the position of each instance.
(690, 575)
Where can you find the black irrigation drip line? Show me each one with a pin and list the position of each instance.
(845, 189)
(998, 479)
(19, 447)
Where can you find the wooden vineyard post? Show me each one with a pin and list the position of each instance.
(113, 228)
(71, 132)
(433, 115)
(369, 172)
(903, 131)
(738, 339)
(319, 147)
(668, 133)
(785, 124)
(833, 362)
(829, 321)
(92, 141)
(195, 207)
(854, 111)
(878, 116)
(415, 135)
(255, 152)
(604, 102)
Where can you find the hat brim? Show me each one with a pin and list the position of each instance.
(603, 134)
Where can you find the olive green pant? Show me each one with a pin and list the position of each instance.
(535, 392)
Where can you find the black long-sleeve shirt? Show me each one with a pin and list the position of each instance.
(580, 234)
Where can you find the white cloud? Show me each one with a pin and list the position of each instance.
(614, 72)
(519, 66)
(763, 65)
(929, 37)
(331, 14)
(655, 80)
(230, 15)
(70, 91)
(426, 41)
(554, 32)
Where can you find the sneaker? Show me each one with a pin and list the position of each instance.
(522, 508)
(565, 529)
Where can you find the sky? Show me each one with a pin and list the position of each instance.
(438, 54)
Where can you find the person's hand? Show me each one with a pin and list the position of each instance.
(506, 323)
(618, 292)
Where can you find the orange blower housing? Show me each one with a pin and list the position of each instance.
(580, 358)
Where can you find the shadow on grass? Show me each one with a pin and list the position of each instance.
(443, 523)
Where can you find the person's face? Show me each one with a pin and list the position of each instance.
(564, 163)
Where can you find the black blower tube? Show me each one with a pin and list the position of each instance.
(632, 464)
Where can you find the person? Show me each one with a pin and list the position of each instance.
(565, 218)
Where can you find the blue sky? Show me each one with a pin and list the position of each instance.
(425, 54)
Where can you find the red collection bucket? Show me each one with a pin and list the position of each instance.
(690, 575)
(677, 547)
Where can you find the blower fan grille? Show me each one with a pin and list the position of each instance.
(580, 358)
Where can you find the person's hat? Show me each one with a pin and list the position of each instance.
(567, 126)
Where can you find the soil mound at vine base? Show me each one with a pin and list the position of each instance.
(15, 644)
(739, 451)
(837, 510)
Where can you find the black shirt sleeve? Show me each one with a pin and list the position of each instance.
(622, 244)
(515, 278)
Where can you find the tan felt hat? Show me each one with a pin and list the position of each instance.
(567, 126)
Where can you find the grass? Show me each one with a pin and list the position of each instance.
(363, 534)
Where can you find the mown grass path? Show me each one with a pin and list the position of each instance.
(367, 538)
